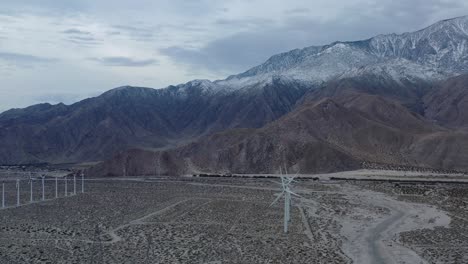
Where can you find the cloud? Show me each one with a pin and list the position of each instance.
(139, 33)
(124, 62)
(297, 28)
(83, 40)
(75, 31)
(230, 54)
(298, 10)
(245, 22)
(23, 60)
(80, 37)
(197, 39)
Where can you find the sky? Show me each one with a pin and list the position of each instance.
(64, 51)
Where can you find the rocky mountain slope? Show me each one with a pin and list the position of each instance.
(95, 128)
(325, 135)
(447, 103)
(386, 99)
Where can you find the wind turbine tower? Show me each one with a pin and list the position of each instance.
(18, 192)
(3, 195)
(286, 192)
(66, 185)
(56, 187)
(74, 184)
(82, 182)
(31, 183)
(43, 187)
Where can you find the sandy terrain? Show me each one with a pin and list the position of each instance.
(214, 220)
(370, 237)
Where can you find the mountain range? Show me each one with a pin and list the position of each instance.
(397, 100)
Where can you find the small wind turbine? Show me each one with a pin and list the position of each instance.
(286, 192)
(66, 186)
(3, 195)
(18, 192)
(56, 187)
(82, 182)
(43, 188)
(74, 184)
(31, 183)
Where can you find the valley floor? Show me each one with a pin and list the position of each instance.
(229, 220)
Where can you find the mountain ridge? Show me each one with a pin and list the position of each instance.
(319, 136)
(404, 69)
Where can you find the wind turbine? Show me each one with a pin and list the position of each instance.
(286, 192)
(56, 187)
(31, 183)
(18, 192)
(82, 182)
(3, 195)
(43, 188)
(66, 186)
(74, 184)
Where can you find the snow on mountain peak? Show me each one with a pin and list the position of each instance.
(435, 52)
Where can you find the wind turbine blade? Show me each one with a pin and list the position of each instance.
(277, 198)
(294, 194)
(279, 183)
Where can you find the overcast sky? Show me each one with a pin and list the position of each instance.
(63, 51)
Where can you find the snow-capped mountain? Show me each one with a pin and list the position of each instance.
(442, 46)
(399, 67)
(436, 52)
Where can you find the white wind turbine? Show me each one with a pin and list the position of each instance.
(43, 187)
(66, 185)
(3, 194)
(31, 183)
(17, 192)
(82, 182)
(286, 192)
(74, 184)
(56, 187)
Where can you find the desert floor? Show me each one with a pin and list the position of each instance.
(230, 220)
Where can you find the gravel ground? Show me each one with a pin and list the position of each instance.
(219, 220)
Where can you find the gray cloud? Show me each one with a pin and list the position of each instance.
(110, 7)
(265, 38)
(75, 31)
(43, 7)
(24, 60)
(139, 33)
(214, 38)
(230, 54)
(245, 22)
(298, 10)
(124, 62)
(83, 40)
(80, 37)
